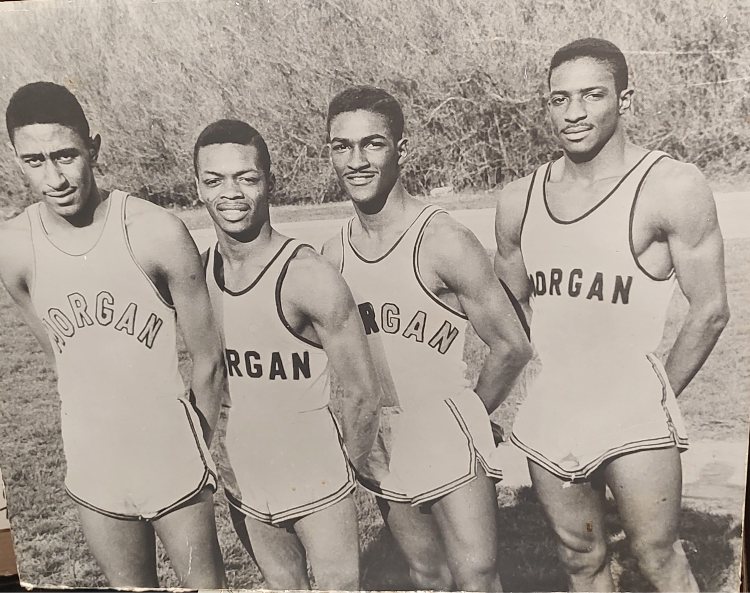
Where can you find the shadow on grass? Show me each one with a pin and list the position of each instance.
(527, 559)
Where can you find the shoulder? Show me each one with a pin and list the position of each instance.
(16, 249)
(311, 281)
(332, 249)
(147, 222)
(511, 207)
(447, 240)
(675, 192)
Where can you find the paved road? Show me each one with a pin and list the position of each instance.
(733, 208)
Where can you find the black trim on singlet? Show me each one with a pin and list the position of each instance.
(96, 242)
(528, 202)
(343, 247)
(205, 256)
(391, 248)
(595, 206)
(517, 308)
(219, 267)
(630, 226)
(277, 295)
(415, 262)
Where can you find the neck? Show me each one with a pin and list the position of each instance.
(608, 161)
(392, 212)
(237, 248)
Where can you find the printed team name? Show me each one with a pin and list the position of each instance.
(575, 284)
(251, 363)
(390, 323)
(64, 324)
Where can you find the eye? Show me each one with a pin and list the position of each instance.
(33, 161)
(376, 144)
(595, 96)
(65, 159)
(250, 180)
(556, 101)
(211, 182)
(338, 147)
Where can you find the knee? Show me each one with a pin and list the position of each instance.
(656, 554)
(436, 577)
(583, 557)
(337, 578)
(476, 573)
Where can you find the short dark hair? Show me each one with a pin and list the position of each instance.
(597, 49)
(45, 103)
(368, 98)
(233, 131)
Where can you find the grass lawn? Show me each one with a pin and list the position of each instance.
(51, 549)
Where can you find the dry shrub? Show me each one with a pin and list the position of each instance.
(471, 77)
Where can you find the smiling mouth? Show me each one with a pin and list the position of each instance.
(60, 195)
(360, 178)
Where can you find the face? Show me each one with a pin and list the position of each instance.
(584, 106)
(234, 187)
(58, 164)
(365, 156)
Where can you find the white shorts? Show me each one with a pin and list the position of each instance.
(424, 453)
(287, 466)
(572, 431)
(141, 469)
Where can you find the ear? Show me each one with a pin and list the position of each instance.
(95, 144)
(402, 149)
(625, 100)
(198, 190)
(17, 160)
(271, 182)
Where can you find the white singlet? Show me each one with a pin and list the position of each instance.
(433, 428)
(597, 318)
(285, 452)
(132, 440)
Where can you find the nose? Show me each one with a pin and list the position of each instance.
(576, 110)
(230, 189)
(358, 159)
(53, 176)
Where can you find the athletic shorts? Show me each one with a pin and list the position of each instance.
(141, 468)
(423, 453)
(285, 466)
(572, 427)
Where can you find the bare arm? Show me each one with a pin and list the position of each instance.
(319, 294)
(331, 250)
(689, 221)
(509, 265)
(463, 266)
(15, 272)
(167, 252)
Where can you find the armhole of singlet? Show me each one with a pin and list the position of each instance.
(418, 275)
(528, 202)
(277, 292)
(632, 217)
(126, 237)
(205, 257)
(344, 233)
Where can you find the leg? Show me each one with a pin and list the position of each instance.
(125, 550)
(647, 486)
(331, 543)
(576, 513)
(417, 534)
(189, 537)
(467, 519)
(276, 550)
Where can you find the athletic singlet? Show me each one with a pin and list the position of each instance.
(123, 401)
(592, 302)
(416, 340)
(271, 369)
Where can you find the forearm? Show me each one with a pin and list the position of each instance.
(360, 412)
(501, 368)
(696, 340)
(209, 387)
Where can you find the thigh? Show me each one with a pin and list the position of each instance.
(331, 541)
(189, 537)
(647, 487)
(277, 551)
(574, 509)
(125, 550)
(467, 519)
(417, 534)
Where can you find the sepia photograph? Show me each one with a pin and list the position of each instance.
(382, 295)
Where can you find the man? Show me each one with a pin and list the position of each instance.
(595, 241)
(287, 316)
(418, 278)
(101, 278)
